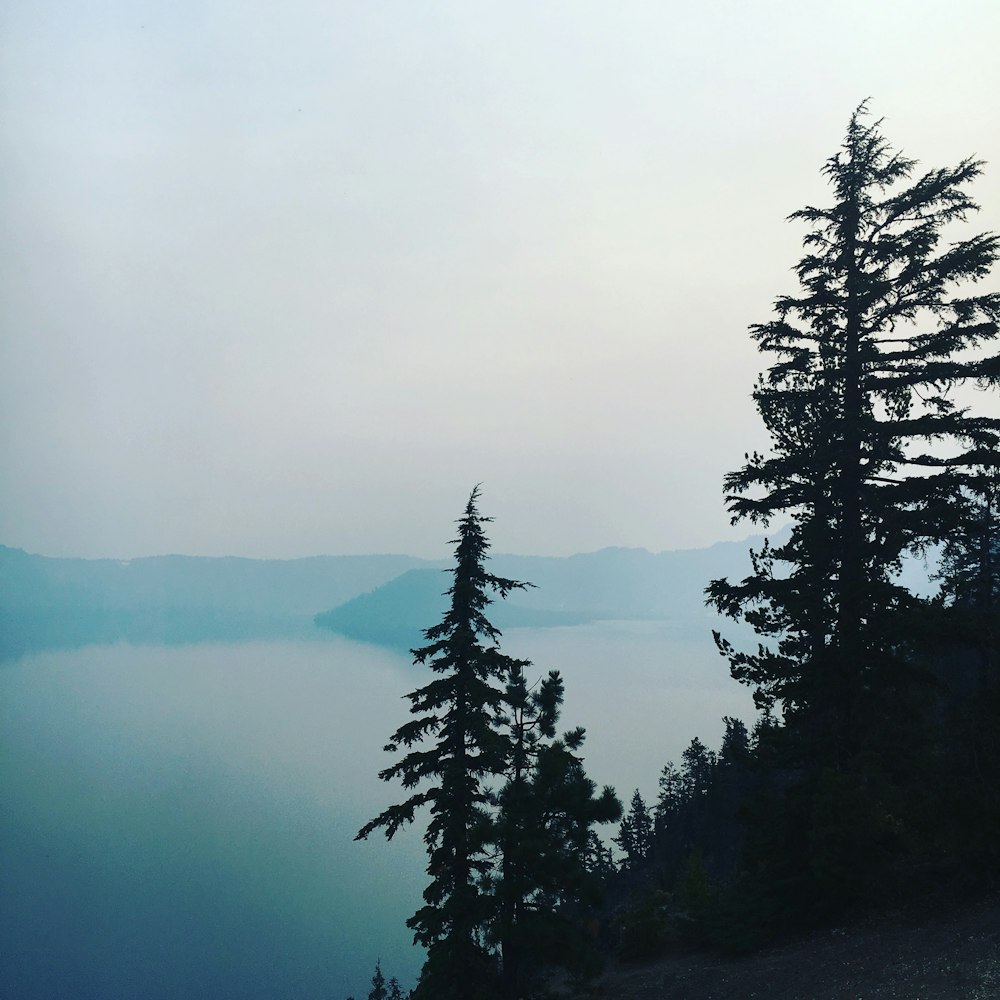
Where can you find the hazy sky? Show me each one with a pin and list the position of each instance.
(287, 279)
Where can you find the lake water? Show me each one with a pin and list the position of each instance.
(178, 822)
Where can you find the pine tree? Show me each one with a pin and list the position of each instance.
(544, 825)
(968, 619)
(735, 750)
(635, 835)
(460, 711)
(869, 448)
(697, 769)
(598, 858)
(963, 789)
(670, 797)
(378, 990)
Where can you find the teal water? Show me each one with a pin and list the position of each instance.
(178, 822)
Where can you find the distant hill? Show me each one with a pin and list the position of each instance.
(613, 583)
(384, 599)
(396, 613)
(60, 603)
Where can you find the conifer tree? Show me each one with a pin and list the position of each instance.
(697, 769)
(459, 714)
(598, 858)
(869, 445)
(546, 812)
(635, 835)
(670, 797)
(969, 577)
(964, 635)
(735, 750)
(969, 571)
(378, 990)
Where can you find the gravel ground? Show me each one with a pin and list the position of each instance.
(954, 956)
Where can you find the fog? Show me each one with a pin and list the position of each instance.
(282, 284)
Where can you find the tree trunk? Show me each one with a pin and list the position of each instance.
(850, 665)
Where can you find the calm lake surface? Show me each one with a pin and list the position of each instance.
(179, 822)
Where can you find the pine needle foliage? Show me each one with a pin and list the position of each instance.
(870, 441)
(455, 748)
(546, 811)
(635, 835)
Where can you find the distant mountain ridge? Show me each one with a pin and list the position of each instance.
(287, 586)
(387, 599)
(57, 603)
(612, 583)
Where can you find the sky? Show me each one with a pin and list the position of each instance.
(283, 280)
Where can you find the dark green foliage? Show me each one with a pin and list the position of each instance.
(681, 893)
(511, 808)
(695, 902)
(958, 801)
(853, 832)
(378, 990)
(671, 795)
(635, 835)
(381, 989)
(872, 458)
(963, 800)
(970, 561)
(460, 711)
(544, 830)
(698, 769)
(968, 621)
(598, 857)
(647, 926)
(735, 750)
(868, 448)
(874, 770)
(696, 806)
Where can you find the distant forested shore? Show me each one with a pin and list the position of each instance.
(53, 603)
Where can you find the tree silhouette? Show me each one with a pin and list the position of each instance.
(969, 575)
(869, 448)
(459, 711)
(544, 826)
(635, 835)
(378, 990)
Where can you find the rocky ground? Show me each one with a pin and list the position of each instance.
(941, 956)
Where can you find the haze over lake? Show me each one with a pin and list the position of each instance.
(179, 821)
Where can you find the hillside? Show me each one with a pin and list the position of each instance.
(610, 584)
(396, 613)
(954, 955)
(61, 603)
(384, 599)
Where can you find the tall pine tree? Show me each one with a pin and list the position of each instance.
(869, 443)
(512, 810)
(460, 711)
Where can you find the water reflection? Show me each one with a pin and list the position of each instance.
(179, 821)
